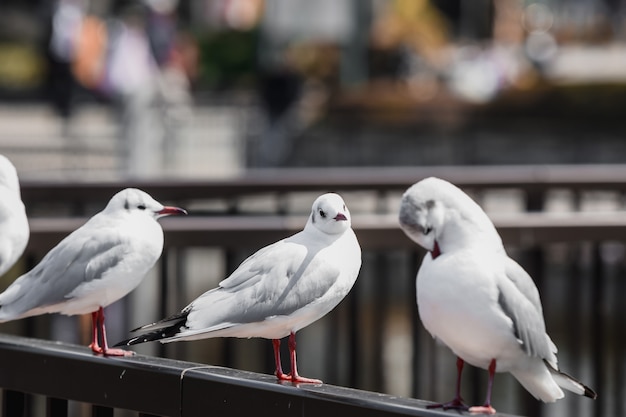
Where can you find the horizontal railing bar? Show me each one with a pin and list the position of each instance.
(373, 231)
(175, 388)
(255, 181)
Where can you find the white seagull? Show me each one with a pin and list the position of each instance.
(278, 290)
(14, 231)
(94, 266)
(475, 299)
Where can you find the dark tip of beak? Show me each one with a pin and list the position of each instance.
(167, 211)
(340, 216)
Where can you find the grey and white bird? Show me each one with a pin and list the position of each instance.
(14, 230)
(94, 266)
(276, 291)
(477, 300)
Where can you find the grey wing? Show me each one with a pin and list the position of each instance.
(250, 270)
(79, 258)
(275, 281)
(519, 299)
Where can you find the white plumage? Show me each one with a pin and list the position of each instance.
(14, 231)
(94, 266)
(278, 290)
(474, 298)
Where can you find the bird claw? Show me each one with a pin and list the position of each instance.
(118, 352)
(482, 409)
(455, 404)
(110, 352)
(297, 379)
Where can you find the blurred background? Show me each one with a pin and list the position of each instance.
(215, 89)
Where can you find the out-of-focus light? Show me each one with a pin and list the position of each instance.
(538, 17)
(162, 6)
(541, 46)
(242, 14)
(474, 76)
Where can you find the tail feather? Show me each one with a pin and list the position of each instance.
(159, 330)
(538, 381)
(570, 383)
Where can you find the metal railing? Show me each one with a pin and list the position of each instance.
(576, 258)
(66, 374)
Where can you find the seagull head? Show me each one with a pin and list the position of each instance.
(438, 216)
(329, 214)
(135, 201)
(421, 217)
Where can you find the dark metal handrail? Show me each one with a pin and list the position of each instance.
(165, 387)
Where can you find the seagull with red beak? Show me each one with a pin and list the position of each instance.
(277, 291)
(94, 266)
(475, 299)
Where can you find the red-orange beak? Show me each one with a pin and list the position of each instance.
(168, 211)
(340, 216)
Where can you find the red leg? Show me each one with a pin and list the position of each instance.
(294, 367)
(457, 402)
(95, 345)
(105, 347)
(279, 368)
(487, 408)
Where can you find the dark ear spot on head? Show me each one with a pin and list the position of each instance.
(430, 204)
(313, 216)
(126, 205)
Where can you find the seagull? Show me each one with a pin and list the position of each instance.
(14, 231)
(475, 299)
(94, 266)
(276, 291)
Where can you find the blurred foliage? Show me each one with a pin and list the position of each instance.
(21, 67)
(228, 59)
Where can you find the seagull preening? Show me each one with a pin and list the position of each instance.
(277, 291)
(94, 266)
(14, 231)
(475, 299)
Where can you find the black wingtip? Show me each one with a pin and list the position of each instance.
(127, 342)
(175, 326)
(148, 337)
(590, 393)
(587, 392)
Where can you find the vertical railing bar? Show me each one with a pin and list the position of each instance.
(56, 407)
(381, 307)
(164, 289)
(597, 325)
(13, 404)
(179, 282)
(619, 315)
(381, 303)
(576, 293)
(414, 262)
(355, 356)
(574, 312)
(101, 411)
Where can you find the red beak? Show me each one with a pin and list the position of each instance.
(340, 216)
(168, 210)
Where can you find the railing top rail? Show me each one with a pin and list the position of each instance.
(373, 231)
(176, 388)
(530, 177)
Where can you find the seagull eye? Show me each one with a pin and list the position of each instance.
(141, 207)
(427, 230)
(322, 213)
